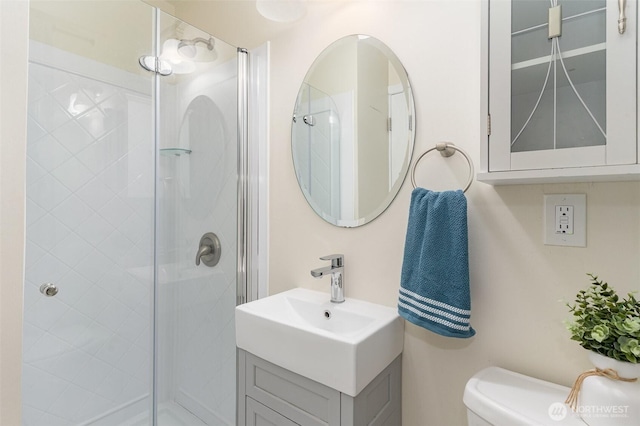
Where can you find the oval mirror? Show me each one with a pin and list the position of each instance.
(352, 133)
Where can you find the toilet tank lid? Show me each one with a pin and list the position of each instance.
(501, 396)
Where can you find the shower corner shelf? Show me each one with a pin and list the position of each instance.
(174, 151)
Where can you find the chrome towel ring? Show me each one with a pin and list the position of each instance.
(446, 149)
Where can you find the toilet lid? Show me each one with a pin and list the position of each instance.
(501, 397)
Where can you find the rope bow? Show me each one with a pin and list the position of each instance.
(609, 373)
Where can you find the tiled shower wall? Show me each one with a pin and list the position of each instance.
(87, 351)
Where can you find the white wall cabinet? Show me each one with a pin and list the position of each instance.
(559, 91)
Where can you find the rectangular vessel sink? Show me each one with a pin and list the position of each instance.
(341, 345)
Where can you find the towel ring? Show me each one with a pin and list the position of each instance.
(446, 149)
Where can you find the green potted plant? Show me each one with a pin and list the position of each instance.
(608, 326)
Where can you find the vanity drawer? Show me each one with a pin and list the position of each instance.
(259, 415)
(299, 399)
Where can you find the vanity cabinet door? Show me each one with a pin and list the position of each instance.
(561, 85)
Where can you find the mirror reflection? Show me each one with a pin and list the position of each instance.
(352, 131)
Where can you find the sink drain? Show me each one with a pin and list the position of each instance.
(327, 314)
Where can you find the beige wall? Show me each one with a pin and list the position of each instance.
(13, 98)
(518, 283)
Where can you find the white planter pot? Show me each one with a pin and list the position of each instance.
(607, 402)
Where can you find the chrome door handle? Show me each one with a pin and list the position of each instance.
(622, 18)
(209, 250)
(49, 289)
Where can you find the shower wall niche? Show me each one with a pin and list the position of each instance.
(126, 170)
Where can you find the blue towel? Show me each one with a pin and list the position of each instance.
(434, 287)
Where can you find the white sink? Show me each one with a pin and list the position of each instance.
(341, 345)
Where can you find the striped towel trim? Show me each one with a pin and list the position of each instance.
(439, 312)
(448, 316)
(434, 319)
(435, 302)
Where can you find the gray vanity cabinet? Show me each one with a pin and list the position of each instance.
(271, 395)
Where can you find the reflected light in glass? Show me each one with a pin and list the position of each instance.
(178, 64)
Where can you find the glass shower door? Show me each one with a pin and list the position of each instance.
(87, 348)
(197, 196)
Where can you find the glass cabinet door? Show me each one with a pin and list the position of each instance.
(562, 84)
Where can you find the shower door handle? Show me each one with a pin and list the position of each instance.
(49, 289)
(209, 250)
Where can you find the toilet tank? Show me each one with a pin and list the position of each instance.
(495, 396)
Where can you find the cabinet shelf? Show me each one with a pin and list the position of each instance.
(174, 151)
(620, 173)
(600, 47)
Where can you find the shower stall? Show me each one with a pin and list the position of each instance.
(135, 152)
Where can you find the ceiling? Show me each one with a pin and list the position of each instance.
(235, 21)
(238, 22)
(113, 32)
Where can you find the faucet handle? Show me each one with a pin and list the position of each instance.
(337, 260)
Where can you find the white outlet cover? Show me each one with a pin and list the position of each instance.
(579, 236)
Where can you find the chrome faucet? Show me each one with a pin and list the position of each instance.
(337, 276)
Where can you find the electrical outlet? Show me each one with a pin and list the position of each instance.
(565, 221)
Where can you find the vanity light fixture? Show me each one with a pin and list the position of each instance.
(282, 10)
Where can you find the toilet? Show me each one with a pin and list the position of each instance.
(495, 396)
